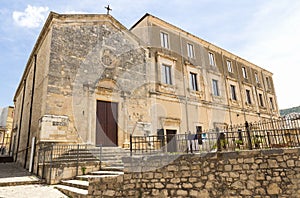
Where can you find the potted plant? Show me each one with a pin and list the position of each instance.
(238, 143)
(83, 168)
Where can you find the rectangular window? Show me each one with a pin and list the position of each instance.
(164, 39)
(215, 88)
(271, 103)
(261, 100)
(193, 81)
(248, 96)
(268, 82)
(211, 59)
(256, 78)
(229, 66)
(190, 50)
(244, 72)
(166, 74)
(233, 93)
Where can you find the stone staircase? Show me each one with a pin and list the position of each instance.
(111, 166)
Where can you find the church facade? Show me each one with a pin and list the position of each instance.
(91, 80)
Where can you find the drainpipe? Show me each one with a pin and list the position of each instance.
(240, 84)
(226, 87)
(184, 86)
(30, 111)
(265, 95)
(21, 119)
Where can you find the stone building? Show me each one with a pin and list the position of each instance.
(6, 121)
(91, 80)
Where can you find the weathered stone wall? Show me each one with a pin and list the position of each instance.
(92, 61)
(37, 103)
(268, 173)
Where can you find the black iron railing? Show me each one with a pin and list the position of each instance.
(279, 133)
(52, 154)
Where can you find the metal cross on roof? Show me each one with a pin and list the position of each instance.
(108, 9)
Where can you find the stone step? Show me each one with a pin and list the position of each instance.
(113, 165)
(76, 183)
(81, 160)
(97, 150)
(111, 159)
(17, 181)
(86, 177)
(75, 160)
(72, 191)
(112, 154)
(107, 173)
(114, 150)
(112, 168)
(119, 156)
(6, 159)
(81, 153)
(117, 160)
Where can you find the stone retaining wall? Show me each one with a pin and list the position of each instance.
(65, 170)
(268, 173)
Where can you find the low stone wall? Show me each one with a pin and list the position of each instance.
(62, 171)
(268, 173)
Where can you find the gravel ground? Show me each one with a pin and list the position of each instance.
(30, 191)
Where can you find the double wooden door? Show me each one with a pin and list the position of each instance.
(107, 123)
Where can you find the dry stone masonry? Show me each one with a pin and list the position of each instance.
(268, 173)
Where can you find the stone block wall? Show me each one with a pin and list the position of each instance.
(268, 173)
(61, 171)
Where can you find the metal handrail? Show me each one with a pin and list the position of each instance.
(56, 153)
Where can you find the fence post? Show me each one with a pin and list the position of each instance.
(186, 143)
(248, 135)
(130, 139)
(77, 163)
(51, 154)
(100, 157)
(43, 169)
(219, 146)
(38, 163)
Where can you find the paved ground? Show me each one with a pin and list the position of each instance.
(11, 178)
(12, 174)
(30, 191)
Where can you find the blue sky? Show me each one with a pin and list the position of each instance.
(265, 32)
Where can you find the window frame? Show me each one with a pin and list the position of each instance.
(229, 66)
(194, 81)
(261, 100)
(190, 50)
(268, 82)
(164, 40)
(244, 71)
(212, 60)
(166, 74)
(256, 78)
(215, 87)
(233, 92)
(248, 96)
(271, 103)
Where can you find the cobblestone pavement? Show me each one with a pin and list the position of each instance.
(12, 175)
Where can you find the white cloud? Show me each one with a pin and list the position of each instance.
(32, 17)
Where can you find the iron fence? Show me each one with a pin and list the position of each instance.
(279, 133)
(50, 155)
